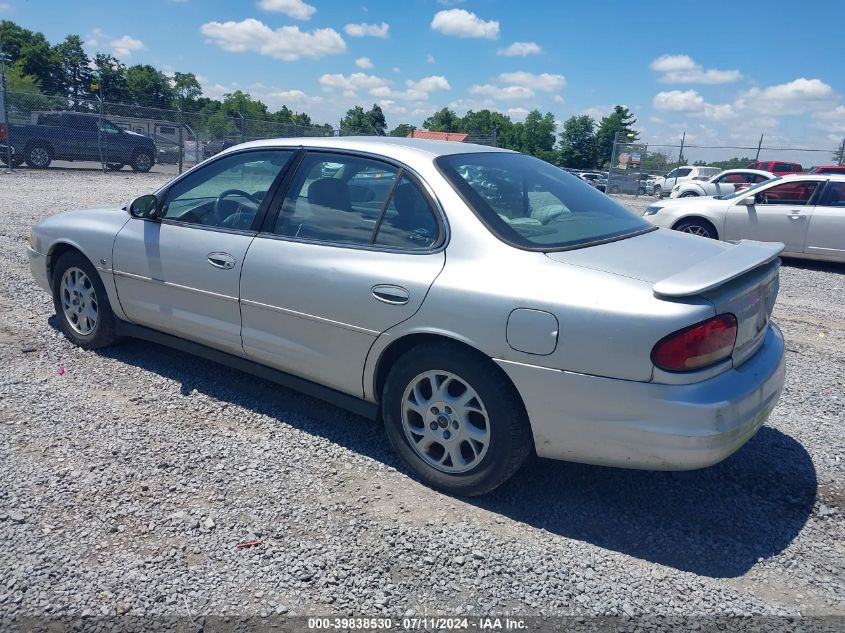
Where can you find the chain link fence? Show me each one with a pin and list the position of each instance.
(62, 132)
(634, 166)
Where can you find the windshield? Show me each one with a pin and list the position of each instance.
(742, 192)
(534, 205)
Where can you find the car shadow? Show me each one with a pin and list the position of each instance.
(714, 522)
(812, 264)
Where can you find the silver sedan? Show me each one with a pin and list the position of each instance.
(806, 212)
(482, 303)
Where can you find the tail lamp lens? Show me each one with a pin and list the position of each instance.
(697, 346)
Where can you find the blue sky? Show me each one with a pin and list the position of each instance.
(723, 71)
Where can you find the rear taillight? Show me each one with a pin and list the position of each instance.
(697, 346)
(4, 133)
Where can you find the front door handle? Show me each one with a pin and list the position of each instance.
(795, 214)
(393, 295)
(221, 260)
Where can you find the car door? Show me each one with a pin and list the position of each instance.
(110, 142)
(826, 232)
(327, 276)
(779, 213)
(81, 137)
(180, 274)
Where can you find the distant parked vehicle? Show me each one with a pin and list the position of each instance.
(590, 177)
(216, 146)
(632, 184)
(663, 186)
(75, 136)
(828, 169)
(721, 184)
(778, 168)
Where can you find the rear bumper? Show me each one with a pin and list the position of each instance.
(38, 266)
(630, 424)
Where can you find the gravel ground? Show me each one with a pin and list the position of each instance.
(127, 480)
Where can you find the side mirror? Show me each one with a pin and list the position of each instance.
(748, 201)
(145, 207)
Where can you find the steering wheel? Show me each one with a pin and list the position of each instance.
(232, 192)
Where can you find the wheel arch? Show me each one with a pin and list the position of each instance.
(699, 218)
(58, 249)
(388, 357)
(39, 142)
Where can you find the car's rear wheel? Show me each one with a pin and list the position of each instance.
(688, 194)
(81, 303)
(614, 189)
(142, 161)
(38, 157)
(658, 191)
(455, 419)
(697, 226)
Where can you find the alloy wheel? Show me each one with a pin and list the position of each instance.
(79, 301)
(39, 157)
(445, 421)
(696, 229)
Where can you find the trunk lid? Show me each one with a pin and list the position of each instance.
(741, 278)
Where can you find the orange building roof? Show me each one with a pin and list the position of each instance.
(439, 136)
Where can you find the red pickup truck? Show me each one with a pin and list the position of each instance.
(777, 167)
(828, 169)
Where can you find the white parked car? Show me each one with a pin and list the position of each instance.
(721, 184)
(664, 185)
(804, 211)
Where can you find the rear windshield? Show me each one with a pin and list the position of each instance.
(533, 205)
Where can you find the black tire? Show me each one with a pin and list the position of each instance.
(104, 331)
(38, 156)
(17, 161)
(688, 194)
(614, 189)
(641, 191)
(697, 226)
(658, 191)
(142, 161)
(510, 440)
(115, 166)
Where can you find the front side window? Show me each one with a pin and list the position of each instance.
(107, 127)
(732, 178)
(795, 193)
(226, 193)
(531, 204)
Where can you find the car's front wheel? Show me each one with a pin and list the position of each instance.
(81, 303)
(688, 194)
(455, 419)
(658, 191)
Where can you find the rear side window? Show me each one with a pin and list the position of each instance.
(834, 195)
(530, 204)
(684, 172)
(787, 167)
(352, 200)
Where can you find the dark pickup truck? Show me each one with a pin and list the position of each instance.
(75, 136)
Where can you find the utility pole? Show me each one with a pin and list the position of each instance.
(4, 112)
(680, 157)
(759, 147)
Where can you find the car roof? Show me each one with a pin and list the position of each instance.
(833, 177)
(398, 148)
(740, 170)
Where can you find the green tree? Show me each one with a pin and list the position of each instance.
(149, 87)
(74, 69)
(377, 120)
(537, 135)
(111, 73)
(403, 129)
(621, 121)
(444, 120)
(578, 148)
(487, 124)
(34, 52)
(839, 154)
(188, 90)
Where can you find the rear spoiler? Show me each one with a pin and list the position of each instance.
(712, 273)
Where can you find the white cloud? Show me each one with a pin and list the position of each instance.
(795, 97)
(5, 7)
(678, 101)
(287, 43)
(364, 62)
(430, 59)
(353, 82)
(677, 69)
(294, 8)
(396, 69)
(501, 93)
(520, 49)
(518, 113)
(124, 46)
(367, 30)
(462, 23)
(832, 120)
(391, 107)
(544, 81)
(429, 84)
(293, 97)
(559, 99)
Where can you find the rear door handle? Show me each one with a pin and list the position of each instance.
(221, 260)
(393, 295)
